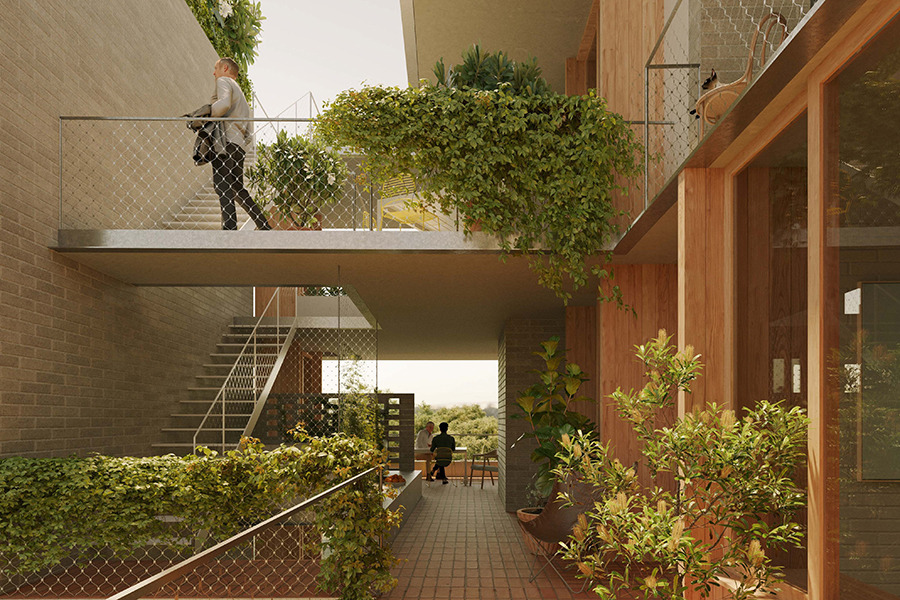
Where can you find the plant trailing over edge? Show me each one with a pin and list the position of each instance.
(735, 497)
(547, 407)
(536, 170)
(297, 176)
(72, 508)
(233, 28)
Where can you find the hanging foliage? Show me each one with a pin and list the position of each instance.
(536, 170)
(233, 28)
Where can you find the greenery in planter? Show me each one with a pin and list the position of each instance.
(53, 509)
(297, 176)
(233, 28)
(735, 497)
(492, 71)
(536, 169)
(547, 406)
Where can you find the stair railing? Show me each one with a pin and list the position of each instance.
(257, 369)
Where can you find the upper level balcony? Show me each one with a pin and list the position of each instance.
(133, 205)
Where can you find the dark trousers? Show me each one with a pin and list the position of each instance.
(228, 179)
(441, 475)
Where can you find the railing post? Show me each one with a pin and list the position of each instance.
(646, 136)
(60, 173)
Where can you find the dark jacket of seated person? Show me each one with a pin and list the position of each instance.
(442, 440)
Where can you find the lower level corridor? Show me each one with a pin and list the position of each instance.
(459, 543)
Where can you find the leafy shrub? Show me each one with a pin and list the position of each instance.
(469, 425)
(537, 171)
(735, 498)
(52, 509)
(297, 176)
(547, 407)
(492, 71)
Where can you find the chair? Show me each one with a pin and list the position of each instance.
(401, 204)
(713, 104)
(487, 466)
(443, 456)
(555, 524)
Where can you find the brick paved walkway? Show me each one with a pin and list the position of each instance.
(459, 543)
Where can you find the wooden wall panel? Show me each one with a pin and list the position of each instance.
(581, 76)
(652, 291)
(702, 287)
(581, 349)
(626, 34)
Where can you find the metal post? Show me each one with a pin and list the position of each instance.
(60, 174)
(646, 137)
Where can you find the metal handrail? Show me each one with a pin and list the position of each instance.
(238, 119)
(220, 396)
(153, 583)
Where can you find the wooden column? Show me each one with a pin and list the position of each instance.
(824, 293)
(702, 287)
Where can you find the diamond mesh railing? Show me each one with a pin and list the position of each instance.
(140, 173)
(700, 36)
(272, 554)
(237, 405)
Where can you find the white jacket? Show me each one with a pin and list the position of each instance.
(229, 101)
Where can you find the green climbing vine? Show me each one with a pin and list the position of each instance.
(536, 169)
(233, 28)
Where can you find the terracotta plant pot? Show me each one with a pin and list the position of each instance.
(529, 514)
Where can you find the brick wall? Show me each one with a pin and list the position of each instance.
(88, 363)
(515, 363)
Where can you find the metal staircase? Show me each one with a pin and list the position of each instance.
(232, 391)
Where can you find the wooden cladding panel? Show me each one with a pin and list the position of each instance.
(581, 76)
(701, 280)
(627, 33)
(581, 349)
(652, 291)
(284, 306)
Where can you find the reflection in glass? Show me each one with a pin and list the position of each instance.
(863, 235)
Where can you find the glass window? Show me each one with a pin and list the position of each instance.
(863, 319)
(771, 210)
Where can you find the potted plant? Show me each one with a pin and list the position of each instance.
(547, 406)
(296, 176)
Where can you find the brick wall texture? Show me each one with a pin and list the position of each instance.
(88, 363)
(515, 362)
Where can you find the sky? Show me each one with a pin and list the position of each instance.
(324, 48)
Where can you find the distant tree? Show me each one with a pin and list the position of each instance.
(469, 424)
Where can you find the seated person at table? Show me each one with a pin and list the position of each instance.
(442, 440)
(423, 447)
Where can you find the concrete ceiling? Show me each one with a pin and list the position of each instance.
(549, 31)
(434, 295)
